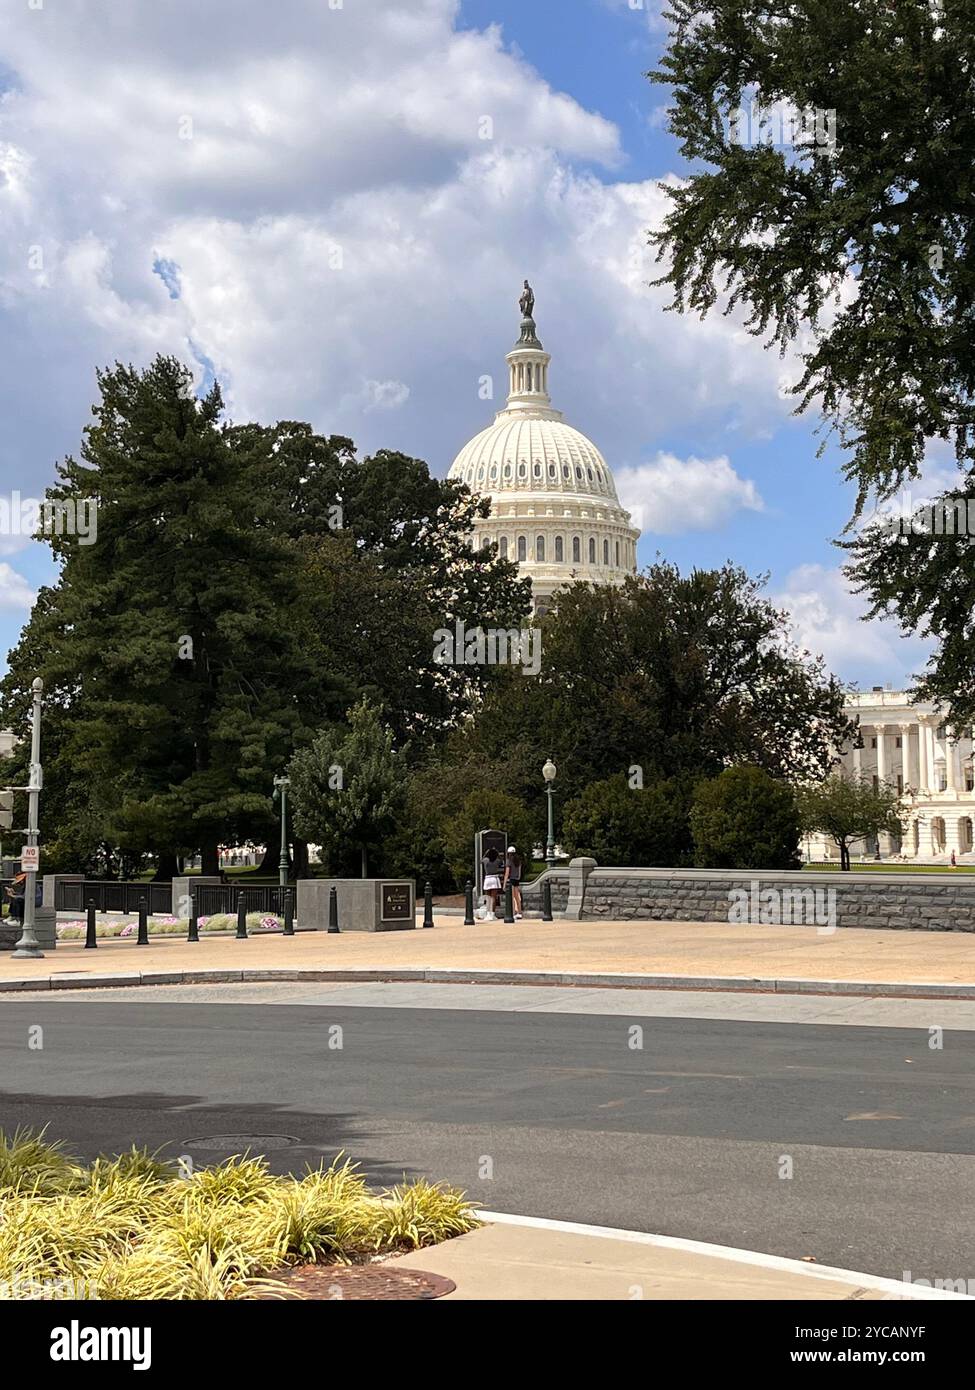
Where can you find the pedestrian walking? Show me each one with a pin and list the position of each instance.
(512, 875)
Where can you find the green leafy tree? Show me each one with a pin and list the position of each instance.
(862, 245)
(247, 586)
(346, 787)
(617, 823)
(864, 238)
(847, 809)
(666, 675)
(486, 810)
(160, 644)
(745, 819)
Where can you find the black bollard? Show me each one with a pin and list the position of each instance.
(143, 938)
(333, 912)
(546, 901)
(194, 932)
(468, 904)
(241, 917)
(509, 904)
(289, 913)
(427, 905)
(90, 939)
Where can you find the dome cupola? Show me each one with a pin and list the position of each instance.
(554, 507)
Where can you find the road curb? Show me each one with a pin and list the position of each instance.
(895, 1287)
(447, 975)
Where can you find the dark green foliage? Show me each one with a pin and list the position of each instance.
(889, 208)
(617, 823)
(745, 819)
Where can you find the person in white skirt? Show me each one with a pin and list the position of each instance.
(492, 867)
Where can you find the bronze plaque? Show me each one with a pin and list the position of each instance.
(395, 902)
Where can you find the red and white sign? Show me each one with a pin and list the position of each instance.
(30, 858)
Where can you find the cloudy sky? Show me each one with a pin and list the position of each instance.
(330, 205)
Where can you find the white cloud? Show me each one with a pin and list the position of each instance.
(670, 495)
(827, 619)
(359, 129)
(15, 592)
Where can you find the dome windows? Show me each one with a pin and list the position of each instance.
(605, 552)
(592, 550)
(559, 550)
(522, 548)
(503, 545)
(576, 550)
(617, 554)
(540, 548)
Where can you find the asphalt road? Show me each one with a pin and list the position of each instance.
(555, 1115)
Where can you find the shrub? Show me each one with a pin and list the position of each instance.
(486, 810)
(619, 824)
(745, 819)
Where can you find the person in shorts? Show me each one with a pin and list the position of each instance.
(512, 875)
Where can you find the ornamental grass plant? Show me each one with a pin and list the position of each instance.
(134, 1227)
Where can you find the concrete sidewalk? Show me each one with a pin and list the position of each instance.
(642, 954)
(522, 1258)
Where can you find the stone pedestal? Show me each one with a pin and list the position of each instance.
(364, 904)
(45, 929)
(183, 887)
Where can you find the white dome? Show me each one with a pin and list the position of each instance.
(529, 452)
(554, 507)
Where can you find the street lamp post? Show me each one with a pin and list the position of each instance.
(548, 772)
(281, 785)
(28, 945)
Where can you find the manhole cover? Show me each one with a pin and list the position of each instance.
(236, 1143)
(372, 1281)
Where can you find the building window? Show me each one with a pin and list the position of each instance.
(605, 552)
(617, 554)
(592, 550)
(873, 743)
(897, 742)
(504, 547)
(522, 548)
(559, 549)
(576, 550)
(539, 547)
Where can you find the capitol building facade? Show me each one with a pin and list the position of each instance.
(907, 746)
(554, 508)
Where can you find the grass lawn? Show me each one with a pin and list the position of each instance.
(873, 867)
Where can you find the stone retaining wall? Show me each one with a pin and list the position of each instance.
(916, 902)
(531, 893)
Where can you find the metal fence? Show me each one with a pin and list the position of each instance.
(213, 898)
(109, 896)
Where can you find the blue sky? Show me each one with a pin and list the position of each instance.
(331, 211)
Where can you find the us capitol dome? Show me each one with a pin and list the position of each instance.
(554, 507)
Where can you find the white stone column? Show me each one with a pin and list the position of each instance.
(906, 754)
(929, 744)
(922, 754)
(950, 755)
(881, 753)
